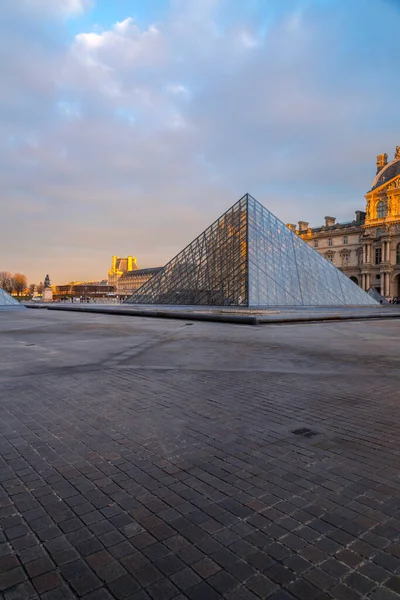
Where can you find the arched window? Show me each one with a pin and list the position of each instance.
(398, 254)
(380, 210)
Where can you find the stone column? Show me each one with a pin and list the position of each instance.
(388, 288)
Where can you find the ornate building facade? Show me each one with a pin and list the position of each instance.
(368, 248)
(119, 266)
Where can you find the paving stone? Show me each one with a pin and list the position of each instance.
(383, 594)
(303, 590)
(374, 572)
(240, 593)
(97, 495)
(261, 585)
(148, 575)
(11, 578)
(202, 591)
(168, 565)
(394, 584)
(206, 567)
(22, 591)
(85, 584)
(359, 583)
(345, 593)
(40, 566)
(47, 581)
(123, 587)
(163, 589)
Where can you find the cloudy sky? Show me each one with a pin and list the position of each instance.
(127, 126)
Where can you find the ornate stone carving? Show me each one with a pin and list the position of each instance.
(394, 185)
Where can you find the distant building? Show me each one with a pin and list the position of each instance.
(130, 281)
(83, 289)
(367, 249)
(119, 266)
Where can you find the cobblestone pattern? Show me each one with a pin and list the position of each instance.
(141, 484)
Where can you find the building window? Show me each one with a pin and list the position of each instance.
(345, 260)
(329, 257)
(398, 254)
(330, 242)
(378, 256)
(380, 210)
(315, 243)
(345, 240)
(378, 232)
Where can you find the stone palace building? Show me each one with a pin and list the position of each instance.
(367, 249)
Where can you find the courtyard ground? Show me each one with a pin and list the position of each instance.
(146, 458)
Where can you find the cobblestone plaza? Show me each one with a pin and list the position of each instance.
(157, 459)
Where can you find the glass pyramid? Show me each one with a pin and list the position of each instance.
(6, 299)
(250, 258)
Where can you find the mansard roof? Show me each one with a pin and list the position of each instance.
(390, 171)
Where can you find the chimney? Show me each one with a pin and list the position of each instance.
(381, 161)
(303, 226)
(291, 226)
(397, 153)
(329, 221)
(360, 216)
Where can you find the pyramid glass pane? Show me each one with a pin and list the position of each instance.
(248, 257)
(285, 268)
(7, 300)
(212, 270)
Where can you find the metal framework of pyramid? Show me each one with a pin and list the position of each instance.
(7, 300)
(248, 257)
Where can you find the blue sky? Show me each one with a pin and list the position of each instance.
(128, 126)
(105, 13)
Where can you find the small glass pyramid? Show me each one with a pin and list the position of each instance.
(6, 299)
(250, 258)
